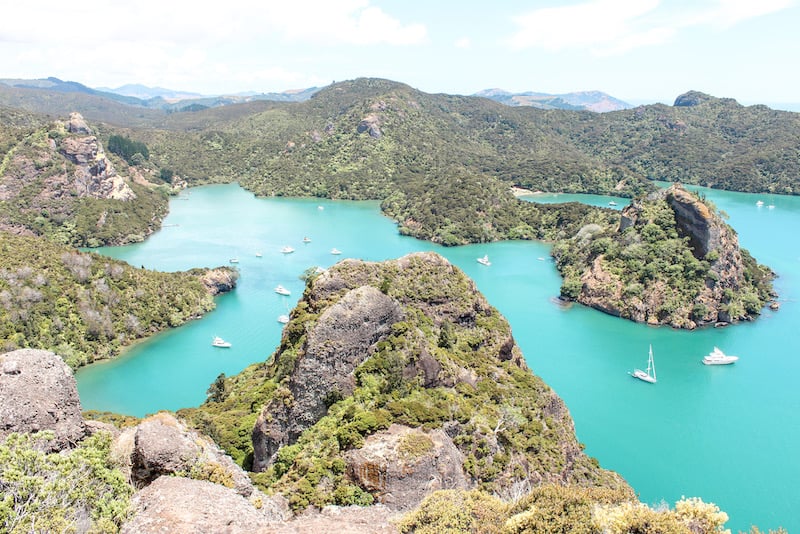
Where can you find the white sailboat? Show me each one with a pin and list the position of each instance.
(484, 260)
(650, 374)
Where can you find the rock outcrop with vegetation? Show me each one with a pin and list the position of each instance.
(56, 180)
(86, 307)
(442, 422)
(672, 260)
(382, 368)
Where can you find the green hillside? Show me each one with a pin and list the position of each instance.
(86, 307)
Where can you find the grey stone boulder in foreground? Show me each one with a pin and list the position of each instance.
(38, 392)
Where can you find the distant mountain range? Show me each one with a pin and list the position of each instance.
(157, 97)
(581, 100)
(173, 100)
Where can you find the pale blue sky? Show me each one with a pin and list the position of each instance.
(636, 50)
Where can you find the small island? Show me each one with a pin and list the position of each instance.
(671, 260)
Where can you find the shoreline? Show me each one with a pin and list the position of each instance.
(522, 192)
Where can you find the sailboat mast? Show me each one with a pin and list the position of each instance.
(651, 363)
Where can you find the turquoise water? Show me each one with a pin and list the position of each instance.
(593, 200)
(726, 434)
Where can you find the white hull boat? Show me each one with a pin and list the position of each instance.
(717, 357)
(650, 374)
(221, 343)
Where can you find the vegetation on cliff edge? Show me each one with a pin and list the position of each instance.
(84, 306)
(510, 427)
(651, 271)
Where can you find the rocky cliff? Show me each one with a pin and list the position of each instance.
(393, 380)
(672, 260)
(61, 183)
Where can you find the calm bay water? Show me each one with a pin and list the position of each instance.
(729, 435)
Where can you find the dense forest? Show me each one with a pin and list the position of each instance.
(86, 307)
(382, 140)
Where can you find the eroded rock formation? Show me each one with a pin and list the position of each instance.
(38, 392)
(94, 175)
(401, 465)
(341, 340)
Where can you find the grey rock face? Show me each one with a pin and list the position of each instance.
(38, 392)
(94, 175)
(164, 446)
(403, 465)
(181, 505)
(342, 339)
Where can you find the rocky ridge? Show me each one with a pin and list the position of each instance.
(393, 380)
(58, 181)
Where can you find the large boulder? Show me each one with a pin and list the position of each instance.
(402, 465)
(163, 445)
(181, 505)
(38, 392)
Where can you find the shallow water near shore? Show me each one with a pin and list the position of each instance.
(727, 434)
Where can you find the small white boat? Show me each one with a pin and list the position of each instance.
(717, 357)
(650, 374)
(258, 254)
(306, 239)
(760, 203)
(320, 208)
(287, 250)
(771, 206)
(283, 318)
(612, 203)
(280, 290)
(484, 260)
(335, 251)
(219, 342)
(234, 260)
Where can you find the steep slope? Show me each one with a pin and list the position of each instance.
(87, 307)
(383, 367)
(672, 260)
(56, 180)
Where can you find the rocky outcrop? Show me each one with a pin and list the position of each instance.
(343, 337)
(402, 465)
(727, 293)
(38, 392)
(220, 280)
(94, 175)
(371, 124)
(162, 445)
(376, 519)
(692, 98)
(401, 377)
(181, 505)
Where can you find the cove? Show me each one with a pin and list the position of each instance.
(728, 435)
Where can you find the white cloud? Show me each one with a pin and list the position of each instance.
(597, 23)
(329, 21)
(238, 43)
(727, 13)
(610, 27)
(336, 21)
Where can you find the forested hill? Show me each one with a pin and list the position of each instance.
(443, 164)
